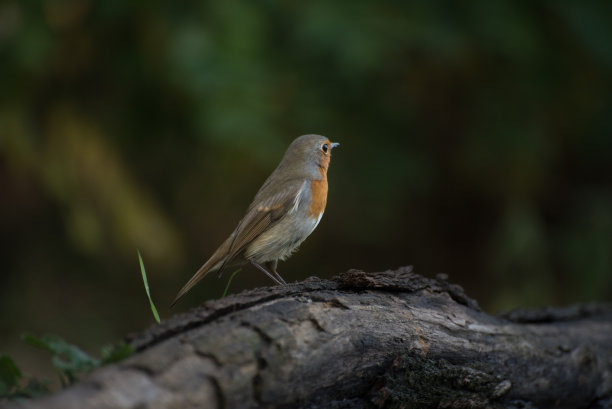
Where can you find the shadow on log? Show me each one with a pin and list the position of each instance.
(362, 340)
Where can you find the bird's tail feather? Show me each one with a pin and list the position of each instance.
(212, 264)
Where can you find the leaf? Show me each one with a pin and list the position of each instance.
(10, 375)
(146, 285)
(68, 359)
(116, 353)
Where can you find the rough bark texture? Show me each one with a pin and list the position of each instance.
(363, 340)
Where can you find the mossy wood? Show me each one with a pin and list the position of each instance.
(362, 340)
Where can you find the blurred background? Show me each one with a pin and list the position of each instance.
(476, 141)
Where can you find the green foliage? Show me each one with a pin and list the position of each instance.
(146, 285)
(69, 360)
(115, 353)
(14, 384)
(10, 376)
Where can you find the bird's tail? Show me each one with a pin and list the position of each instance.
(217, 261)
(213, 264)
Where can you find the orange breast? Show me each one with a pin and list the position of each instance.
(319, 195)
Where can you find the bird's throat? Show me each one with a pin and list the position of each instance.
(318, 189)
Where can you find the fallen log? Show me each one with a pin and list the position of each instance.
(390, 339)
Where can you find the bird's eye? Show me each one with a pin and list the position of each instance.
(324, 148)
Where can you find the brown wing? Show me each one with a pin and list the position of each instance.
(261, 215)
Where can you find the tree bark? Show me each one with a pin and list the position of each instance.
(362, 340)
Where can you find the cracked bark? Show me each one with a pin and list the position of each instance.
(363, 340)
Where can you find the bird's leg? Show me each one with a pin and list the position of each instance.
(266, 272)
(271, 266)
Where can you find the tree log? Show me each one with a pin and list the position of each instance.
(391, 339)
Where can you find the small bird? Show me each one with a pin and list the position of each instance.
(286, 209)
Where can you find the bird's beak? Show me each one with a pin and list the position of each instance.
(334, 144)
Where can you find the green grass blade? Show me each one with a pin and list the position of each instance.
(229, 282)
(146, 285)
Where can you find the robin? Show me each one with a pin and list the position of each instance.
(286, 209)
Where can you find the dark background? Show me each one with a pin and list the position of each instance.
(475, 141)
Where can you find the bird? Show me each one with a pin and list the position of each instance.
(285, 211)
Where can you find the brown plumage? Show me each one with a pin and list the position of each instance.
(284, 212)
